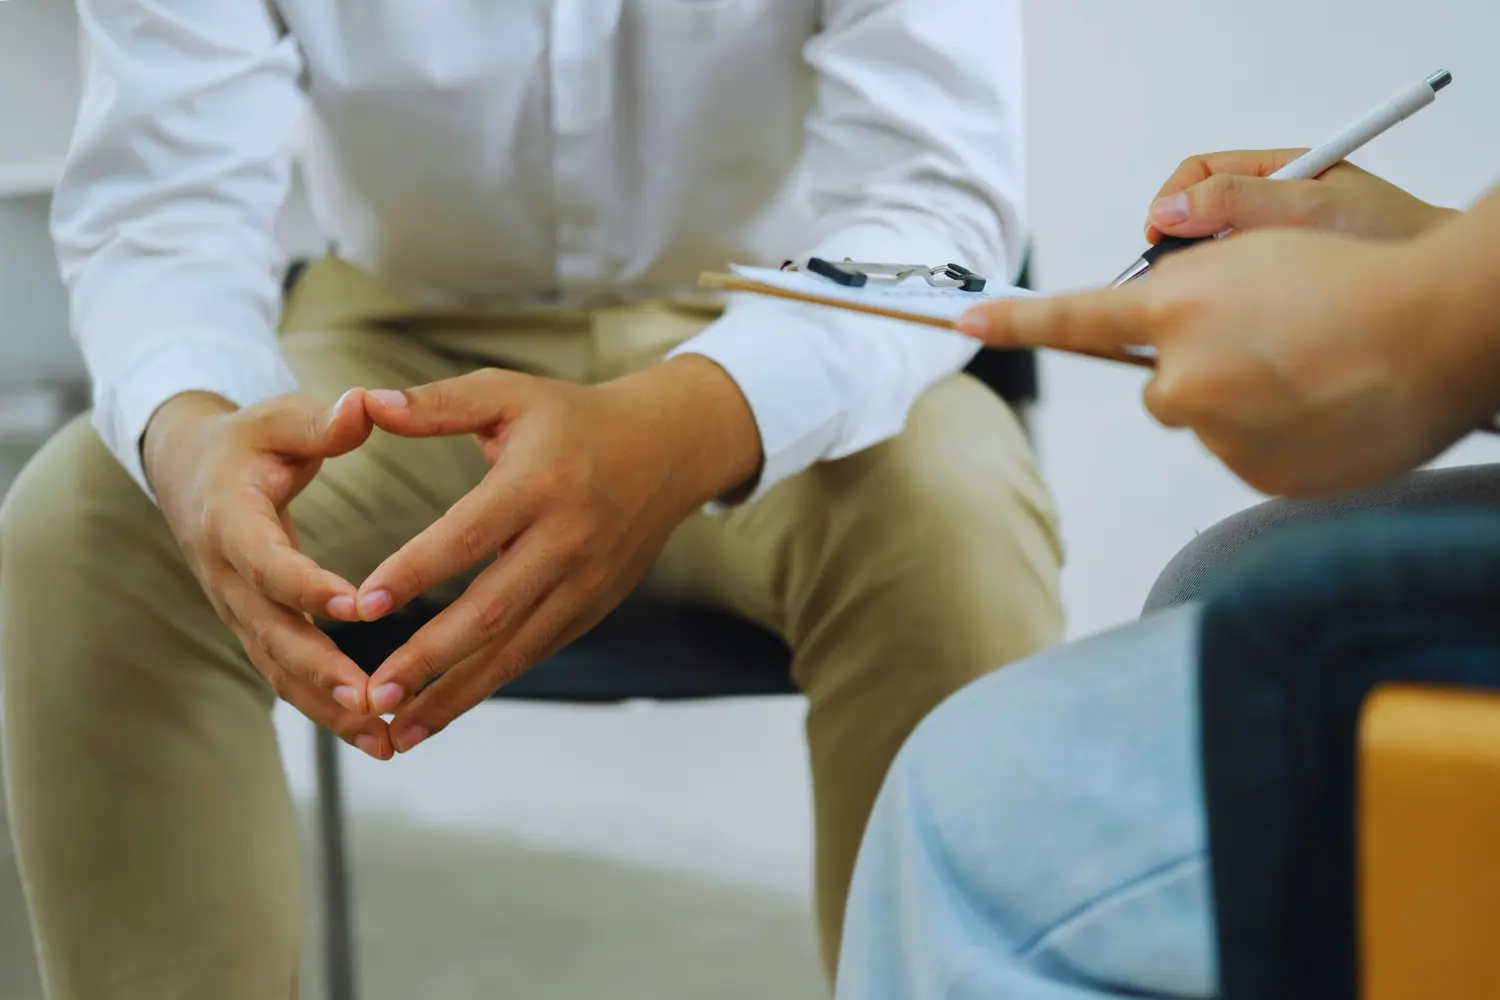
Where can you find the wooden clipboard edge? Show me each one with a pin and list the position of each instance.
(729, 282)
(735, 283)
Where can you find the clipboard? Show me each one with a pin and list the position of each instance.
(905, 300)
(893, 296)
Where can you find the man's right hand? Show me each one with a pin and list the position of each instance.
(1218, 191)
(224, 478)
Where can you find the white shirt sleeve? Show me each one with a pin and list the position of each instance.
(164, 217)
(914, 155)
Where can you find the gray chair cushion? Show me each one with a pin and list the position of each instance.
(1195, 569)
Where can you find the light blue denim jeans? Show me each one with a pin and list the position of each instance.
(1042, 835)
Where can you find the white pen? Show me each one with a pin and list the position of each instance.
(1315, 161)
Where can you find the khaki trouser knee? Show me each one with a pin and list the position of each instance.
(152, 823)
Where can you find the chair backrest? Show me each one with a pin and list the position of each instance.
(644, 649)
(1295, 640)
(1014, 375)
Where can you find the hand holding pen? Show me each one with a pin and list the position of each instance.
(1217, 192)
(1306, 167)
(1309, 361)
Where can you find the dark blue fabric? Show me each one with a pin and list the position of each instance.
(1294, 638)
(644, 650)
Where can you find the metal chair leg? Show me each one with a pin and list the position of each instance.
(338, 944)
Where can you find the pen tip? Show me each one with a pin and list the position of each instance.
(1131, 273)
(1439, 80)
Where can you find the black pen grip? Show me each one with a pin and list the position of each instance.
(1170, 245)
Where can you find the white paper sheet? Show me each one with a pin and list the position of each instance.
(913, 296)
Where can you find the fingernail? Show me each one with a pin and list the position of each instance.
(973, 325)
(343, 608)
(374, 604)
(410, 738)
(333, 411)
(1172, 210)
(368, 744)
(386, 697)
(346, 696)
(392, 398)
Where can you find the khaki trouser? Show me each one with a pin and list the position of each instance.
(152, 822)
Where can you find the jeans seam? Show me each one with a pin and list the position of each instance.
(950, 974)
(1029, 948)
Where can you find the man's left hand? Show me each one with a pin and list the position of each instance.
(586, 485)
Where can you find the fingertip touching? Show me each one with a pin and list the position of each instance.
(387, 399)
(374, 604)
(386, 697)
(408, 738)
(350, 697)
(348, 424)
(350, 405)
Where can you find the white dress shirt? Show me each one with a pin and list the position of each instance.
(477, 150)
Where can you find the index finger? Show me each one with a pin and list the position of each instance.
(1197, 169)
(503, 594)
(293, 644)
(258, 548)
(1105, 323)
(1244, 162)
(551, 625)
(369, 733)
(482, 522)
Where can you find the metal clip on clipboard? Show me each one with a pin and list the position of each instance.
(851, 274)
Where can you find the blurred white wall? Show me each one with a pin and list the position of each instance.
(39, 85)
(39, 80)
(34, 340)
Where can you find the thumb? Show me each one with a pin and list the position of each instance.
(300, 427)
(1231, 201)
(469, 404)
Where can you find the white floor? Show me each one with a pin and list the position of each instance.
(715, 790)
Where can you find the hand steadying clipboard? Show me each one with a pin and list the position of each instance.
(890, 291)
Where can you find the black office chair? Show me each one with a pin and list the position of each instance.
(646, 650)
